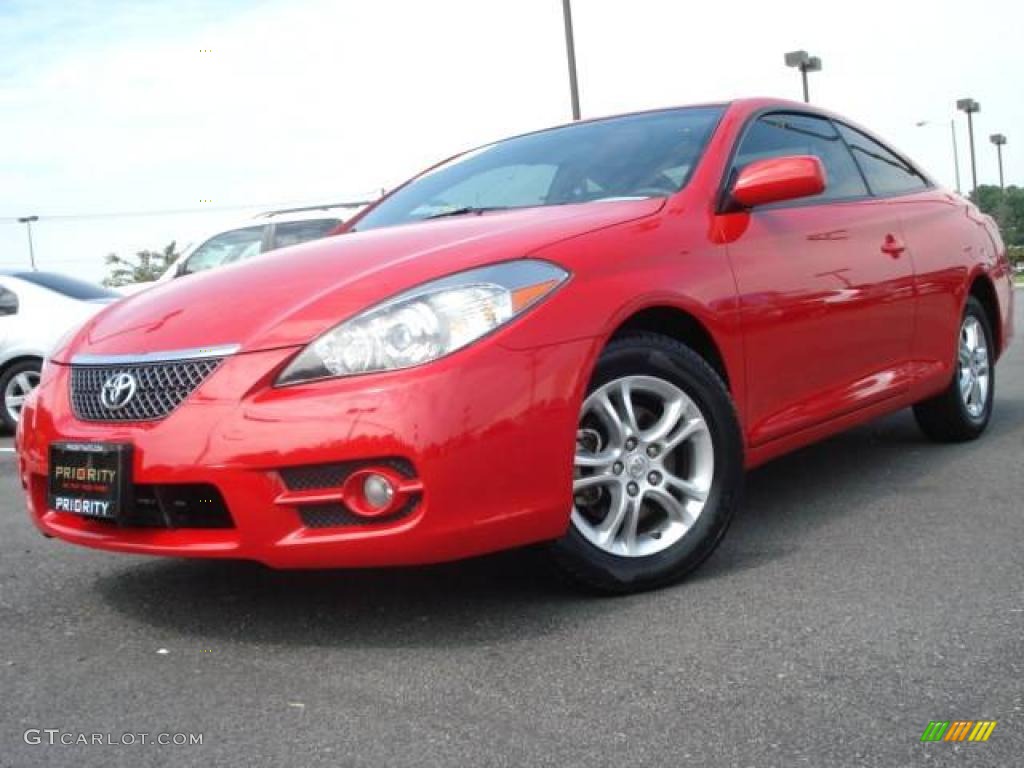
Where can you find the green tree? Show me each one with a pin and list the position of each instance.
(1006, 207)
(147, 266)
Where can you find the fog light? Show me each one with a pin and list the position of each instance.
(378, 490)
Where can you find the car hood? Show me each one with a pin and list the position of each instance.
(289, 297)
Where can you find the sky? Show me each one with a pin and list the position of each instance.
(125, 125)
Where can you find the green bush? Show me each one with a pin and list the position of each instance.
(1016, 254)
(147, 266)
(1006, 206)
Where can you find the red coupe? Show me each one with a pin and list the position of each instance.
(581, 336)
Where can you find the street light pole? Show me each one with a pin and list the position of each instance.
(570, 52)
(805, 63)
(27, 221)
(999, 140)
(956, 153)
(970, 106)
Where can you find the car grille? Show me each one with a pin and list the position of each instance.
(313, 477)
(177, 506)
(160, 388)
(333, 515)
(169, 505)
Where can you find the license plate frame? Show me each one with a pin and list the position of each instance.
(89, 479)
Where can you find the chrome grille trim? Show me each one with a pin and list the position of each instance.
(160, 388)
(166, 356)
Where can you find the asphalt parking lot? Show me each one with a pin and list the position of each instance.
(871, 584)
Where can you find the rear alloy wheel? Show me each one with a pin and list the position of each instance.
(964, 409)
(657, 471)
(16, 383)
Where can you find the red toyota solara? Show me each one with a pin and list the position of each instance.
(581, 336)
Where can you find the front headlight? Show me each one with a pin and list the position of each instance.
(427, 322)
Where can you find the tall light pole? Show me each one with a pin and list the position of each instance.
(805, 63)
(956, 153)
(999, 140)
(970, 106)
(27, 221)
(570, 52)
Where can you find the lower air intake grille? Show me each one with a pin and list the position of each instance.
(316, 476)
(136, 391)
(333, 515)
(173, 505)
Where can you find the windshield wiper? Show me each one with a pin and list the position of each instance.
(464, 210)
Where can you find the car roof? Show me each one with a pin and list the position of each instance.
(341, 211)
(24, 274)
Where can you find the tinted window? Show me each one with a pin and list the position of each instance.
(68, 286)
(293, 232)
(225, 248)
(8, 302)
(647, 155)
(886, 172)
(778, 135)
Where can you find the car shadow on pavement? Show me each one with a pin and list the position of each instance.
(484, 599)
(475, 601)
(788, 497)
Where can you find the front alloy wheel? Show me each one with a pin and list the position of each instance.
(657, 470)
(643, 469)
(16, 383)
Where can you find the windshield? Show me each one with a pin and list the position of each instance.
(645, 155)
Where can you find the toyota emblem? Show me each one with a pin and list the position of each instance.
(118, 390)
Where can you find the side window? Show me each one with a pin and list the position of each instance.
(293, 232)
(778, 135)
(8, 301)
(507, 185)
(886, 172)
(225, 248)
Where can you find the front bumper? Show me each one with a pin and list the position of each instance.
(489, 434)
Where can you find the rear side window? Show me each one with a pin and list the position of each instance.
(225, 248)
(8, 301)
(887, 173)
(294, 232)
(778, 135)
(68, 286)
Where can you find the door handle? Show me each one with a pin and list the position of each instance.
(893, 246)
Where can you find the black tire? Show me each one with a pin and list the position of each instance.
(945, 418)
(650, 354)
(30, 366)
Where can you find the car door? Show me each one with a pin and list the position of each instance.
(941, 238)
(825, 290)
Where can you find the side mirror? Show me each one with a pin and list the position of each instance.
(8, 302)
(777, 179)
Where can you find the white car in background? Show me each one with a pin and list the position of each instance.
(36, 310)
(266, 232)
